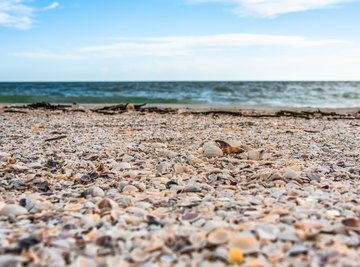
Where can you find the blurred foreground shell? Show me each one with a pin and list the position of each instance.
(219, 236)
(352, 223)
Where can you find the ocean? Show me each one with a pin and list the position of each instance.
(264, 94)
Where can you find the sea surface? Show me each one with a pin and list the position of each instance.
(264, 94)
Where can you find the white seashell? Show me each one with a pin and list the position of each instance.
(246, 242)
(213, 151)
(121, 166)
(290, 174)
(13, 210)
(267, 231)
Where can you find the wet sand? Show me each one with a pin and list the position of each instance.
(134, 188)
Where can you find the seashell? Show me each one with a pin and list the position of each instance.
(352, 223)
(13, 210)
(170, 184)
(314, 176)
(181, 169)
(246, 242)
(107, 205)
(20, 167)
(235, 256)
(227, 148)
(94, 191)
(12, 260)
(4, 156)
(127, 158)
(297, 250)
(291, 174)
(255, 154)
(82, 261)
(34, 165)
(121, 166)
(163, 168)
(73, 207)
(101, 167)
(213, 151)
(155, 243)
(190, 216)
(138, 255)
(267, 231)
(130, 189)
(192, 188)
(219, 236)
(198, 240)
(194, 160)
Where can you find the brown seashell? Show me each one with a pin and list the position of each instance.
(107, 205)
(228, 149)
(219, 236)
(352, 223)
(101, 167)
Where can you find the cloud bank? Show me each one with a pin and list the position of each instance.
(183, 45)
(272, 8)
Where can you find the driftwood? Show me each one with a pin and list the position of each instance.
(119, 107)
(41, 105)
(15, 111)
(56, 138)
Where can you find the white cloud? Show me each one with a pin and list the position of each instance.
(271, 8)
(185, 45)
(20, 13)
(48, 55)
(52, 6)
(14, 13)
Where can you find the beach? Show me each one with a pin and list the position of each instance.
(138, 186)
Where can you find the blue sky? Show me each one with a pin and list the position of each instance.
(126, 40)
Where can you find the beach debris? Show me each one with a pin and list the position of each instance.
(55, 138)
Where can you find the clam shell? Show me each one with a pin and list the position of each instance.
(246, 242)
(219, 236)
(213, 151)
(13, 210)
(138, 255)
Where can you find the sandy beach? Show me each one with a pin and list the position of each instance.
(150, 188)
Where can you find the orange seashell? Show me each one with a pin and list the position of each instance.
(228, 149)
(101, 167)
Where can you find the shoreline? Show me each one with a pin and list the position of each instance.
(201, 107)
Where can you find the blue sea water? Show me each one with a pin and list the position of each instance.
(265, 94)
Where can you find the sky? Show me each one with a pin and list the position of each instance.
(177, 40)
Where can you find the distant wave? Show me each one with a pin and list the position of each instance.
(280, 94)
